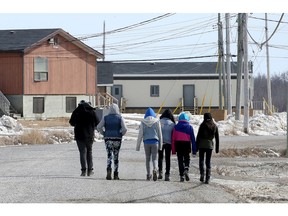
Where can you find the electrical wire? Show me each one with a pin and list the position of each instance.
(263, 43)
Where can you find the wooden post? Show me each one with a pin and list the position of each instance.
(246, 74)
(239, 67)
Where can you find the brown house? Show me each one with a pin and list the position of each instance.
(44, 73)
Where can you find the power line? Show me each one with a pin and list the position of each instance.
(263, 43)
(128, 27)
(163, 59)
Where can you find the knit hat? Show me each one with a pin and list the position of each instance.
(184, 116)
(207, 117)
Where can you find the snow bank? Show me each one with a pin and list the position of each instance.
(259, 125)
(10, 126)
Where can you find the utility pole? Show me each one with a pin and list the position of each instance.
(223, 62)
(220, 53)
(239, 66)
(246, 74)
(228, 64)
(268, 69)
(104, 37)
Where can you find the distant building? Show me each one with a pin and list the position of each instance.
(183, 85)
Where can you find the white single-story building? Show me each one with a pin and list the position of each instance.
(183, 85)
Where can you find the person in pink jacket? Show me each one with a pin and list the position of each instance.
(183, 142)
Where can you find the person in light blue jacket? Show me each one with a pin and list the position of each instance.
(167, 124)
(151, 134)
(113, 128)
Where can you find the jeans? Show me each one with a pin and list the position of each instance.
(151, 151)
(167, 151)
(85, 150)
(113, 149)
(202, 153)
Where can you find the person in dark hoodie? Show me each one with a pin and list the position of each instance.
(183, 141)
(151, 134)
(207, 131)
(84, 120)
(112, 127)
(167, 124)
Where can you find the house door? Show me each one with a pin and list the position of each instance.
(117, 92)
(188, 96)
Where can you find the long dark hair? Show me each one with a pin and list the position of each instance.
(168, 114)
(209, 124)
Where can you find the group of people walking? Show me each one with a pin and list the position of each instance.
(161, 137)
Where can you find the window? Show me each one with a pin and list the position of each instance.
(70, 104)
(154, 91)
(38, 105)
(40, 69)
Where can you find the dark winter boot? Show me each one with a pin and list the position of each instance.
(116, 177)
(202, 177)
(186, 174)
(154, 175)
(201, 168)
(148, 177)
(109, 171)
(208, 173)
(90, 172)
(167, 177)
(83, 173)
(160, 175)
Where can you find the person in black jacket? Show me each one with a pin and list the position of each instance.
(85, 121)
(208, 130)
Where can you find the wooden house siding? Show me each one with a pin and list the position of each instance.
(71, 70)
(11, 81)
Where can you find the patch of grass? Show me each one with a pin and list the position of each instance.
(4, 141)
(34, 137)
(251, 152)
(60, 136)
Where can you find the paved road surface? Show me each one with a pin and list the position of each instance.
(51, 174)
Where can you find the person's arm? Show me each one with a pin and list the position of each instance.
(96, 120)
(160, 136)
(192, 136)
(173, 142)
(72, 120)
(198, 137)
(217, 140)
(140, 137)
(123, 126)
(100, 126)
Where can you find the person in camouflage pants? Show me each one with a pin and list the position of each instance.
(113, 128)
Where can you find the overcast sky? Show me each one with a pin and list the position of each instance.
(180, 35)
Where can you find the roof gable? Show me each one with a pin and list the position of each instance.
(18, 40)
(22, 40)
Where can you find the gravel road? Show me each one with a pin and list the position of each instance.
(51, 174)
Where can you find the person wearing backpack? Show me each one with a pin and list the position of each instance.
(207, 131)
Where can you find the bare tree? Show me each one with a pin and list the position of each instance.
(279, 85)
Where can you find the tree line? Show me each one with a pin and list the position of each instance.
(279, 87)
